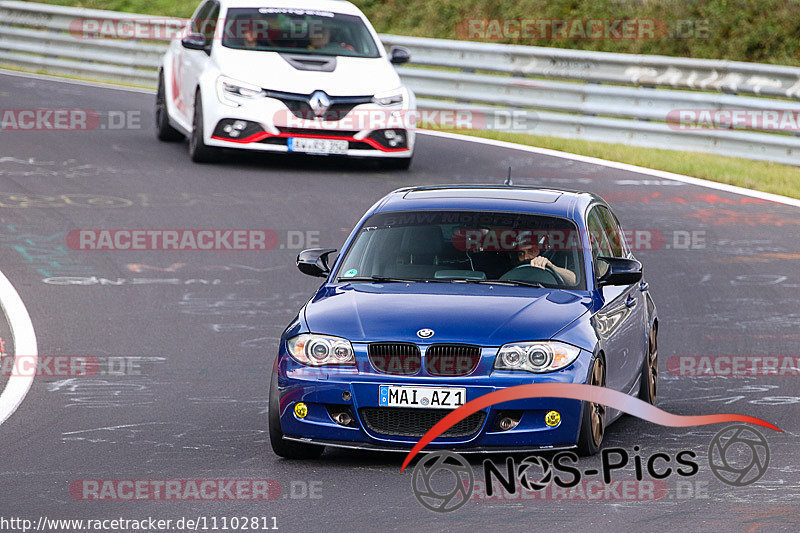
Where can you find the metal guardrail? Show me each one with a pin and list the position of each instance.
(488, 78)
(604, 67)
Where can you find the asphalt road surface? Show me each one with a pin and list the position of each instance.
(193, 334)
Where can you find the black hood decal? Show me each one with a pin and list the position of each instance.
(317, 63)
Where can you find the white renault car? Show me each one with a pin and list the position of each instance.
(285, 76)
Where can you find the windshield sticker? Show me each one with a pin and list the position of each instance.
(296, 12)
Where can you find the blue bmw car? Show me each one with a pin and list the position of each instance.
(443, 294)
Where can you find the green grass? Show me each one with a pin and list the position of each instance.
(46, 72)
(762, 31)
(166, 8)
(762, 176)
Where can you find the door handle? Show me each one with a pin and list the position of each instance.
(630, 301)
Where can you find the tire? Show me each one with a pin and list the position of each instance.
(164, 132)
(392, 163)
(286, 448)
(199, 151)
(648, 385)
(593, 416)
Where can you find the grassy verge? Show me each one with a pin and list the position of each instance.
(165, 8)
(762, 31)
(762, 176)
(45, 72)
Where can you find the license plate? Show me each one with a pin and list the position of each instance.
(316, 146)
(422, 397)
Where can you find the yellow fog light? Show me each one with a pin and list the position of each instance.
(301, 410)
(552, 418)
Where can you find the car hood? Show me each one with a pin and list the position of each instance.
(486, 315)
(353, 76)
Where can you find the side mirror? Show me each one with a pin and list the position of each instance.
(194, 41)
(620, 271)
(314, 262)
(399, 55)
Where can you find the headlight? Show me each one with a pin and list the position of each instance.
(535, 356)
(231, 91)
(318, 350)
(389, 98)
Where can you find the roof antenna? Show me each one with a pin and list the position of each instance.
(508, 179)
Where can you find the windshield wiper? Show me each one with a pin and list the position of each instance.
(385, 279)
(502, 282)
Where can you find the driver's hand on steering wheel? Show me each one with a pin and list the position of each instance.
(540, 262)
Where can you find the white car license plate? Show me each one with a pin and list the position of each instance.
(316, 146)
(422, 397)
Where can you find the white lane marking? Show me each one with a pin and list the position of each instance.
(24, 339)
(46, 77)
(502, 144)
(619, 166)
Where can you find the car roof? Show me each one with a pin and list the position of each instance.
(335, 6)
(513, 198)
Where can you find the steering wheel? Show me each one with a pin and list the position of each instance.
(531, 273)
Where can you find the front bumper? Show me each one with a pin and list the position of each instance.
(329, 389)
(269, 124)
(349, 445)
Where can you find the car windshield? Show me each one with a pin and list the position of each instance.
(466, 246)
(298, 31)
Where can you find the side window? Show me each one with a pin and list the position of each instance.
(615, 237)
(599, 241)
(210, 24)
(204, 20)
(626, 250)
(201, 15)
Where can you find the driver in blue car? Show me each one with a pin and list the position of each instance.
(529, 252)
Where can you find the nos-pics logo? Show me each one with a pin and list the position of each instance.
(444, 481)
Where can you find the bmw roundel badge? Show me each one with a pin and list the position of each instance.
(425, 333)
